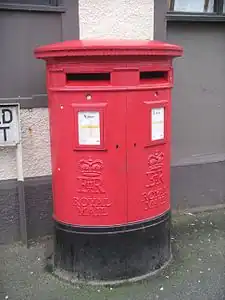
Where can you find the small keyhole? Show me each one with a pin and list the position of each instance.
(135, 144)
(117, 146)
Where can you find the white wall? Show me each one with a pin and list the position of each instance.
(36, 146)
(117, 19)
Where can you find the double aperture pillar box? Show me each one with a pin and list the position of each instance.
(110, 115)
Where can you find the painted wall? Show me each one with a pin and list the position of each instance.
(36, 150)
(198, 96)
(198, 107)
(118, 19)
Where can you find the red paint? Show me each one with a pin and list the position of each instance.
(126, 176)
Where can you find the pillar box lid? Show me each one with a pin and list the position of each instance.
(96, 48)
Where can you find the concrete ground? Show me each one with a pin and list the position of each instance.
(196, 272)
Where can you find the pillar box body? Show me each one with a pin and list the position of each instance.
(110, 125)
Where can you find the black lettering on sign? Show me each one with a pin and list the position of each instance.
(7, 116)
(5, 132)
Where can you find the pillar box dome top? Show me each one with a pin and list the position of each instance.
(93, 48)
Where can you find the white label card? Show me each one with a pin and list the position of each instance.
(89, 128)
(158, 123)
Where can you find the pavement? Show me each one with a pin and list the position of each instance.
(197, 270)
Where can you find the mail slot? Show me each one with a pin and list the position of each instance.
(110, 115)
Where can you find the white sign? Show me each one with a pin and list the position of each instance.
(9, 125)
(89, 127)
(157, 124)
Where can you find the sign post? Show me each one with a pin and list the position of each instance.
(10, 136)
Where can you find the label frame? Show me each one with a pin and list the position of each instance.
(90, 107)
(152, 105)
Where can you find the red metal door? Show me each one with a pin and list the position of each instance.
(90, 171)
(148, 154)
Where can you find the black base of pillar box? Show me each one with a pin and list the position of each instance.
(111, 255)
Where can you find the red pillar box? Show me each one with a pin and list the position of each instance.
(110, 115)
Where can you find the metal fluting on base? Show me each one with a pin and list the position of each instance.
(111, 254)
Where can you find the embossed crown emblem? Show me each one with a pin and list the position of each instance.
(90, 167)
(155, 159)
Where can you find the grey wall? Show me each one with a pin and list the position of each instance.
(38, 200)
(198, 96)
(9, 212)
(22, 31)
(160, 10)
(198, 109)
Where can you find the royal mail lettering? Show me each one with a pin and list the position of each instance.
(91, 198)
